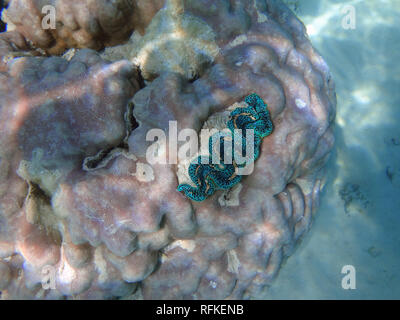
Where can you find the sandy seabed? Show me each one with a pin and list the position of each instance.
(358, 222)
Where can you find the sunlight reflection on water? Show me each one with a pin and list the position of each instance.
(358, 222)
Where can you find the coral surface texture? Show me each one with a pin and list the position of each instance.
(86, 213)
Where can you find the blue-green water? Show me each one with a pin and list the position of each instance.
(358, 222)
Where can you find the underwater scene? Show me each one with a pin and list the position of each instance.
(199, 150)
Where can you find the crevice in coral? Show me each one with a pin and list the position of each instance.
(38, 211)
(36, 191)
(3, 5)
(194, 78)
(104, 156)
(140, 79)
(130, 123)
(91, 163)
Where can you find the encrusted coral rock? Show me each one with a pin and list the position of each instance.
(13, 44)
(53, 114)
(80, 23)
(81, 202)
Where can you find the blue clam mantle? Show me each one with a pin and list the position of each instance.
(209, 177)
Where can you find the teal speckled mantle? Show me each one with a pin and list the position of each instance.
(209, 177)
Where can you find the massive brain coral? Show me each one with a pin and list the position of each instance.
(80, 199)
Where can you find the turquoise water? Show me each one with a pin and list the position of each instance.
(358, 222)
